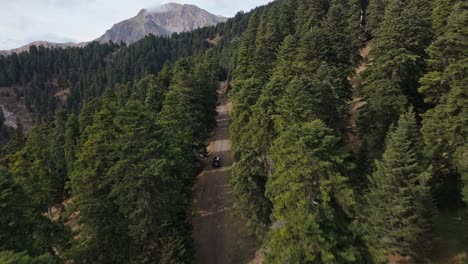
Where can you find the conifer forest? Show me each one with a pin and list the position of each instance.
(349, 133)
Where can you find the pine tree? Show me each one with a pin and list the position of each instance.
(72, 135)
(157, 88)
(441, 10)
(399, 199)
(16, 218)
(312, 202)
(341, 36)
(57, 153)
(266, 108)
(246, 50)
(375, 14)
(178, 113)
(445, 125)
(23, 227)
(287, 23)
(266, 45)
(248, 181)
(33, 168)
(247, 93)
(87, 115)
(148, 188)
(104, 233)
(356, 22)
(397, 62)
(15, 144)
(309, 14)
(307, 99)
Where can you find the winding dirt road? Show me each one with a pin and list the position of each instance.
(213, 198)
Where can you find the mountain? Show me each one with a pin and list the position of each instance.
(46, 44)
(161, 21)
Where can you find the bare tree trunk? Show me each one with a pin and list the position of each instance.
(49, 212)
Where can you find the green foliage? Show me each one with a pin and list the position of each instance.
(266, 45)
(246, 49)
(248, 181)
(57, 153)
(399, 199)
(133, 174)
(16, 218)
(22, 226)
(398, 61)
(138, 117)
(295, 76)
(312, 202)
(441, 10)
(35, 169)
(156, 88)
(72, 135)
(375, 15)
(10, 257)
(445, 125)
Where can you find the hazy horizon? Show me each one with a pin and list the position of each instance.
(25, 21)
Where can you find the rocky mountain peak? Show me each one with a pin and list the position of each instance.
(160, 21)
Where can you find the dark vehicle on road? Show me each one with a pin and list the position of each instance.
(216, 162)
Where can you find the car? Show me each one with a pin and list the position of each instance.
(217, 162)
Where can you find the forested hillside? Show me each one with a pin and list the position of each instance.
(107, 176)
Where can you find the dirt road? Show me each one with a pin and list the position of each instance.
(213, 199)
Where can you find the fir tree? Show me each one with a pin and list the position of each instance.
(266, 45)
(375, 14)
(156, 88)
(400, 202)
(441, 10)
(16, 218)
(398, 61)
(71, 141)
(33, 168)
(57, 153)
(312, 203)
(246, 49)
(445, 125)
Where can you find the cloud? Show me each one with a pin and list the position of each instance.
(46, 3)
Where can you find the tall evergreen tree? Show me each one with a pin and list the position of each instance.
(246, 50)
(312, 204)
(445, 125)
(266, 45)
(57, 152)
(72, 135)
(375, 15)
(441, 10)
(33, 168)
(399, 199)
(16, 218)
(398, 61)
(104, 234)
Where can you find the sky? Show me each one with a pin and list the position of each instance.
(25, 21)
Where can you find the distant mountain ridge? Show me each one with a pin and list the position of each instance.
(46, 44)
(162, 21)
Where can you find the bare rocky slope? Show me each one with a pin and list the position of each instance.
(162, 21)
